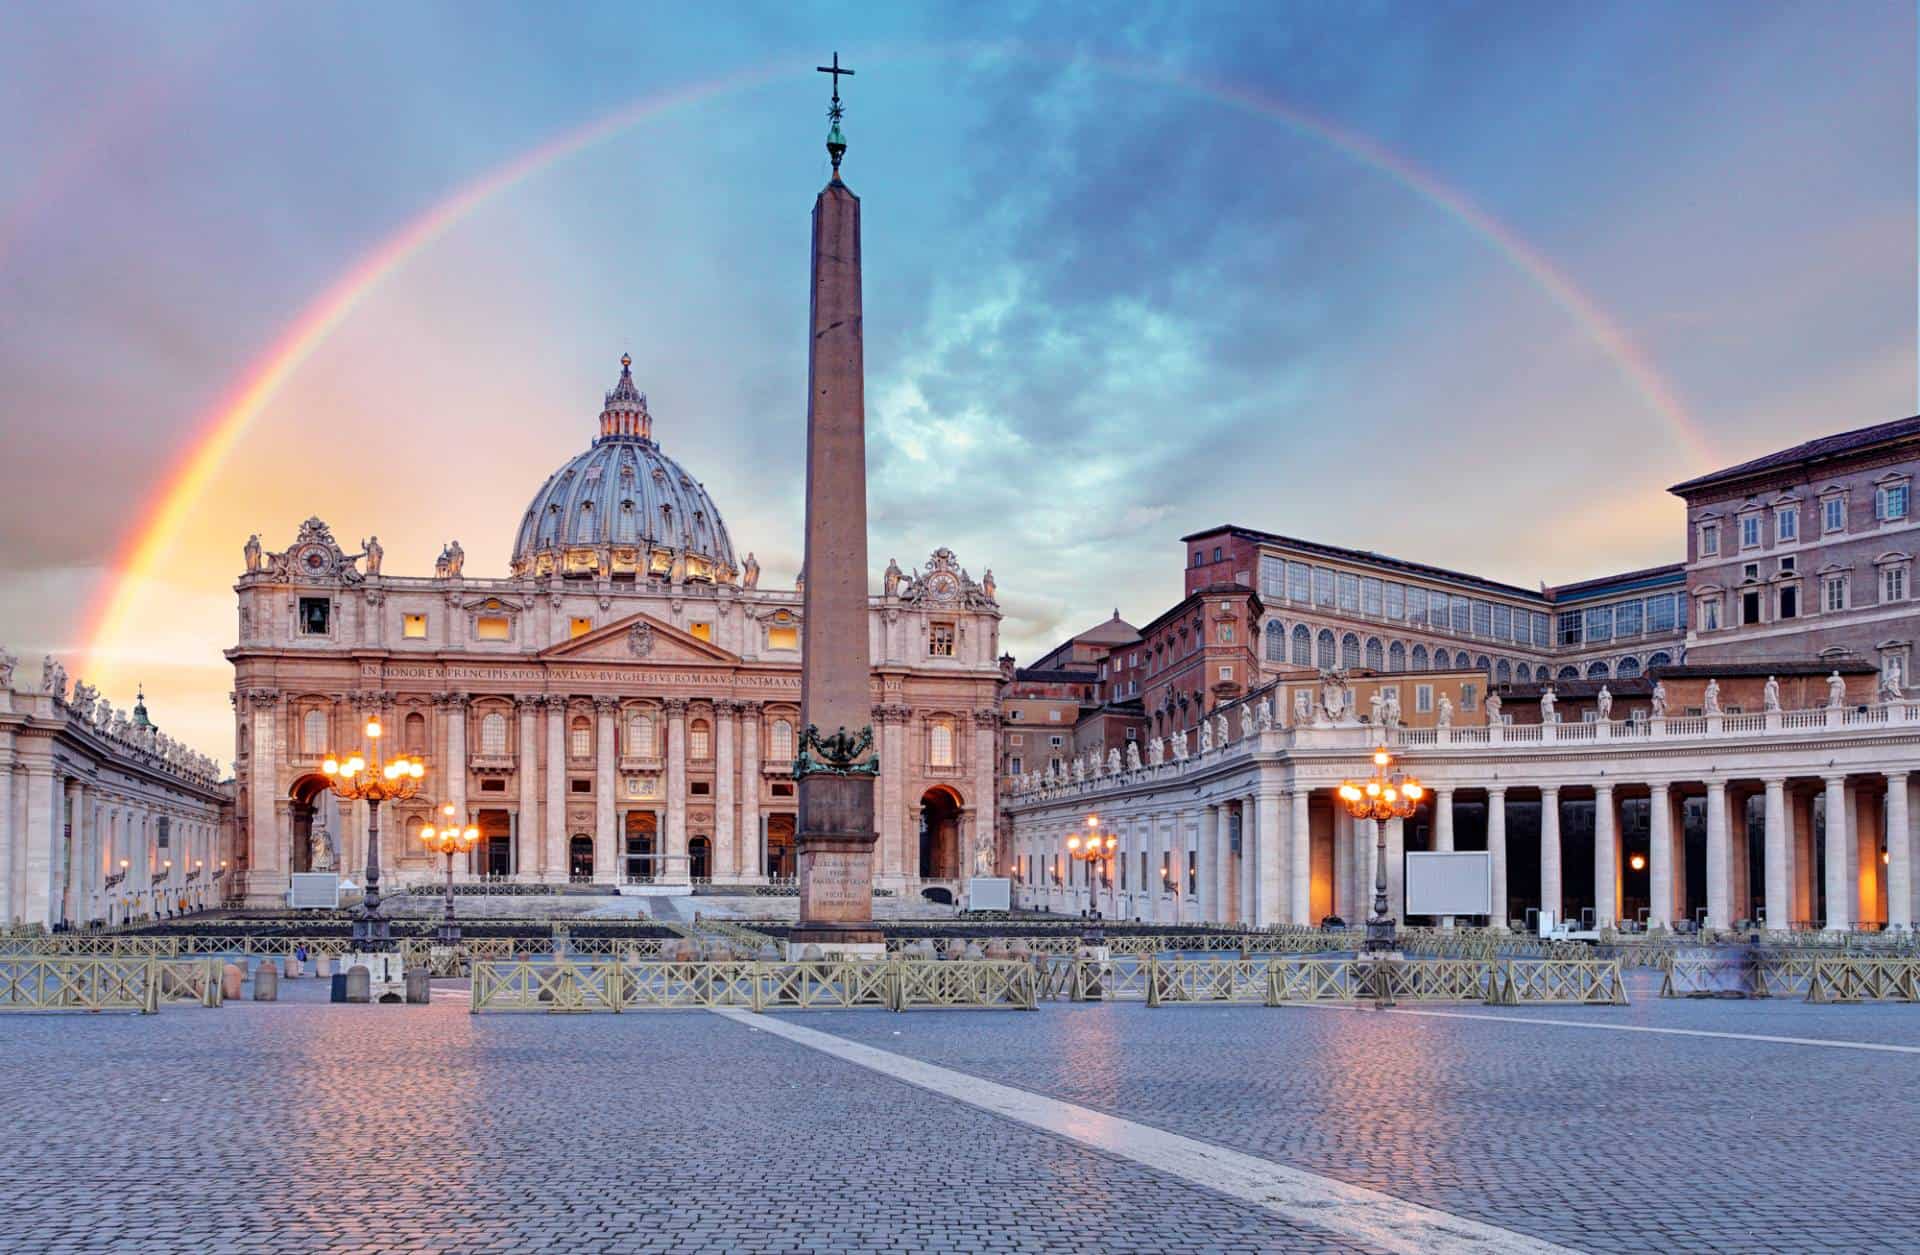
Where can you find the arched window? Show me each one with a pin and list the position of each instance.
(640, 735)
(1484, 663)
(1597, 671)
(940, 743)
(415, 729)
(1523, 673)
(1349, 651)
(1325, 648)
(1276, 641)
(1504, 672)
(1442, 660)
(780, 743)
(699, 740)
(1376, 655)
(1627, 668)
(1568, 673)
(1302, 646)
(313, 731)
(493, 734)
(1660, 659)
(1397, 656)
(582, 738)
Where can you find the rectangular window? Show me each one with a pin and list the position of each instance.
(316, 616)
(701, 631)
(1053, 716)
(1226, 673)
(1570, 621)
(1709, 614)
(1833, 593)
(1660, 613)
(1749, 531)
(1599, 624)
(1013, 765)
(1786, 524)
(493, 784)
(581, 742)
(1833, 514)
(1750, 606)
(1890, 502)
(1790, 601)
(1322, 586)
(783, 638)
(1299, 583)
(413, 627)
(1542, 629)
(582, 785)
(1193, 873)
(1893, 584)
(1503, 623)
(1373, 601)
(1055, 741)
(491, 627)
(1626, 619)
(1417, 607)
(1751, 571)
(1396, 601)
(579, 625)
(1710, 540)
(1423, 698)
(1462, 616)
(1482, 619)
(1273, 576)
(1469, 694)
(940, 640)
(1349, 592)
(1017, 738)
(1438, 612)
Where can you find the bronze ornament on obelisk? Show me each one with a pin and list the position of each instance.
(836, 764)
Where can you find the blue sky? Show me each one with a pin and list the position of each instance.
(1105, 305)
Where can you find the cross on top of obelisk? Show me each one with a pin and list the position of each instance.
(836, 142)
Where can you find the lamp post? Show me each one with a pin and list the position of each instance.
(1381, 797)
(449, 839)
(1095, 850)
(355, 779)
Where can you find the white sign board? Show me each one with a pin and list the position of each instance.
(314, 891)
(989, 893)
(1453, 882)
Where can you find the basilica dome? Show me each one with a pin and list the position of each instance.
(623, 509)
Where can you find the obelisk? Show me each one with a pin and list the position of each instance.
(836, 765)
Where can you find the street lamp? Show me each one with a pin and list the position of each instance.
(1381, 797)
(1094, 849)
(450, 839)
(355, 779)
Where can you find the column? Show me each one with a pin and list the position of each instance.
(1800, 845)
(1551, 898)
(726, 859)
(9, 835)
(675, 868)
(1443, 832)
(1271, 810)
(1719, 858)
(1212, 867)
(986, 729)
(1659, 856)
(1363, 868)
(1497, 849)
(1899, 854)
(527, 854)
(1343, 863)
(1300, 859)
(1739, 859)
(557, 865)
(37, 905)
(1779, 891)
(1397, 869)
(266, 852)
(1606, 883)
(605, 838)
(454, 772)
(1839, 891)
(754, 864)
(1866, 845)
(1249, 888)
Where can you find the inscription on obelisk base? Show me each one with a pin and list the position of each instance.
(835, 768)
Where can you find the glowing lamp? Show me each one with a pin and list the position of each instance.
(330, 768)
(373, 729)
(1638, 862)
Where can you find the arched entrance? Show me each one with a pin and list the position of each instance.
(700, 858)
(642, 831)
(939, 834)
(312, 804)
(780, 864)
(580, 857)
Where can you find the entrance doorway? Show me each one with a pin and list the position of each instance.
(308, 811)
(780, 864)
(939, 834)
(580, 858)
(641, 832)
(496, 843)
(700, 858)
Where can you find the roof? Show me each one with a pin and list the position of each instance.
(1812, 451)
(1672, 572)
(1115, 631)
(1368, 555)
(1040, 675)
(1195, 597)
(1778, 666)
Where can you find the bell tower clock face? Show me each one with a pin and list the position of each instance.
(942, 585)
(314, 560)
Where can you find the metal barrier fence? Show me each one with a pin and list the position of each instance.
(1857, 979)
(1786, 973)
(1281, 980)
(897, 985)
(105, 983)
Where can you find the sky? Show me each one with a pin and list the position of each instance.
(1469, 284)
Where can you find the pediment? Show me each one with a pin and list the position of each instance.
(638, 638)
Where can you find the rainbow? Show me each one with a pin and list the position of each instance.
(116, 605)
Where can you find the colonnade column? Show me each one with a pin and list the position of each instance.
(1212, 882)
(675, 866)
(1551, 898)
(1397, 869)
(1342, 863)
(726, 865)
(1443, 832)
(73, 900)
(9, 833)
(527, 857)
(37, 903)
(1272, 850)
(1899, 854)
(454, 773)
(1779, 892)
(605, 839)
(1606, 901)
(755, 861)
(899, 856)
(1300, 859)
(557, 866)
(1497, 852)
(1839, 891)
(1659, 857)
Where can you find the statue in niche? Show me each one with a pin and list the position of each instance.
(604, 567)
(677, 572)
(1548, 701)
(373, 553)
(1891, 681)
(750, 573)
(1659, 699)
(891, 581)
(1836, 691)
(1711, 701)
(320, 847)
(1770, 696)
(1133, 756)
(1604, 703)
(252, 550)
(983, 857)
(1446, 711)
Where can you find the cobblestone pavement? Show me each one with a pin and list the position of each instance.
(304, 1126)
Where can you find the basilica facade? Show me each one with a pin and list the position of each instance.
(622, 707)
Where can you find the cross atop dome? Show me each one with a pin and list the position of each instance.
(626, 410)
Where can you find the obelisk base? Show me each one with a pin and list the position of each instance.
(834, 851)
